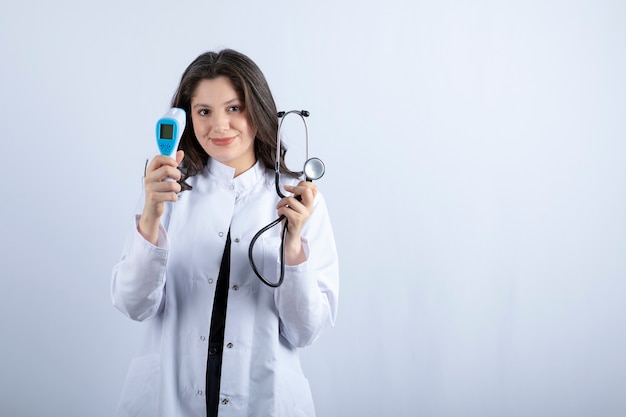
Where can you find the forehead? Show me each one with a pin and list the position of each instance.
(215, 91)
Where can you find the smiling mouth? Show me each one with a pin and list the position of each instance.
(223, 141)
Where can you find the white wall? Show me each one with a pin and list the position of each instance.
(475, 177)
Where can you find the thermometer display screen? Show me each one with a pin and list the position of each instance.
(167, 131)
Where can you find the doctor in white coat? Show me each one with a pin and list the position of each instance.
(192, 238)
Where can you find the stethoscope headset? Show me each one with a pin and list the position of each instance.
(313, 170)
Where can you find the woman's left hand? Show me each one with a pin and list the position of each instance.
(297, 211)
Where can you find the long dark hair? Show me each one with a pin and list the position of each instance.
(251, 87)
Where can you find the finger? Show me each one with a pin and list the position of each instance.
(295, 217)
(293, 203)
(161, 174)
(162, 167)
(156, 190)
(159, 198)
(168, 172)
(165, 187)
(306, 190)
(161, 160)
(292, 216)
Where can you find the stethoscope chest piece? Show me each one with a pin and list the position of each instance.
(314, 169)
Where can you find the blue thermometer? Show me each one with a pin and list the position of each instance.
(169, 130)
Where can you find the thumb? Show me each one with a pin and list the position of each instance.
(179, 156)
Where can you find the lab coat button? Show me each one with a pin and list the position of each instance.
(202, 338)
(210, 280)
(225, 401)
(237, 240)
(235, 287)
(212, 351)
(221, 234)
(232, 187)
(229, 346)
(199, 392)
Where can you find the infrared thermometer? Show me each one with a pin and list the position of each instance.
(169, 130)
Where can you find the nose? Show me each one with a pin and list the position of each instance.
(222, 123)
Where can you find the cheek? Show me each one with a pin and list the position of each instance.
(199, 128)
(251, 133)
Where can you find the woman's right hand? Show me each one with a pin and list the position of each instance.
(158, 191)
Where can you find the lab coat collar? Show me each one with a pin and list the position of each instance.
(225, 174)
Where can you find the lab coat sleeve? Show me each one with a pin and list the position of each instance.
(138, 281)
(307, 299)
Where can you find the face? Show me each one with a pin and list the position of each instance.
(220, 122)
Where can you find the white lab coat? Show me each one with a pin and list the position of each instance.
(171, 287)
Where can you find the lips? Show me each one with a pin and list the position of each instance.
(223, 141)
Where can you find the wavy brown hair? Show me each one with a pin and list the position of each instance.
(252, 89)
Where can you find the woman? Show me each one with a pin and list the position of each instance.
(218, 339)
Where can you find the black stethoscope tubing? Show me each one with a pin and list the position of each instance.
(282, 253)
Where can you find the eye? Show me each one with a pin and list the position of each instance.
(234, 109)
(203, 112)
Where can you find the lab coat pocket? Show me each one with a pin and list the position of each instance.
(296, 399)
(140, 394)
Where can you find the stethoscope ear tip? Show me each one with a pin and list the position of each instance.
(303, 113)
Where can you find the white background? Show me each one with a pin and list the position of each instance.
(475, 179)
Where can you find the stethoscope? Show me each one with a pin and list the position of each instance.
(313, 170)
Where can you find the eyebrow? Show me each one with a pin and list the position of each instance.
(226, 103)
